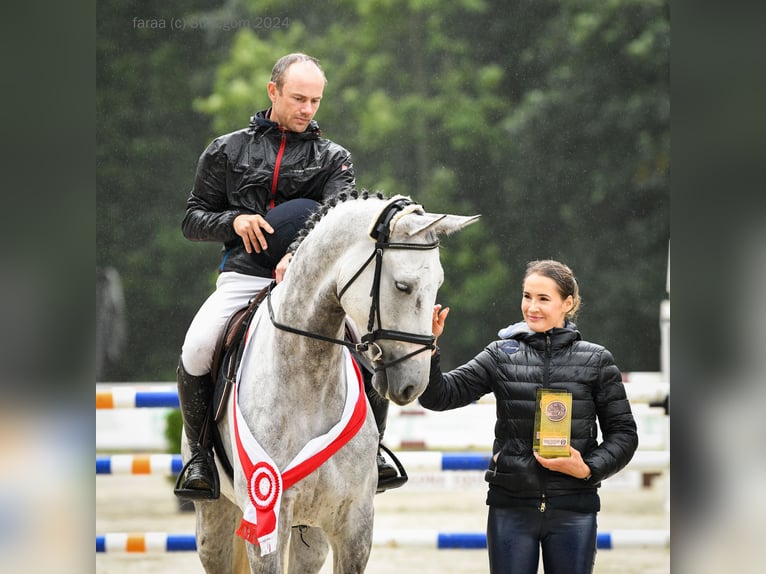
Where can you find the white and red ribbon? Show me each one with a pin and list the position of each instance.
(265, 482)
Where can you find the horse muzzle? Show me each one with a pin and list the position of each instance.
(399, 385)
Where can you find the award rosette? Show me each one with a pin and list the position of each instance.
(553, 423)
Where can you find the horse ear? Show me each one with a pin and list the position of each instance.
(442, 223)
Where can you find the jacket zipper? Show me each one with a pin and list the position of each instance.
(546, 373)
(546, 382)
(277, 165)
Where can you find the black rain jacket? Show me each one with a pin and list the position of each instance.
(513, 369)
(254, 169)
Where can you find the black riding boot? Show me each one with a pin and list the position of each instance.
(388, 476)
(199, 477)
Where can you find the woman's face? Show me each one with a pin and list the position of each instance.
(542, 305)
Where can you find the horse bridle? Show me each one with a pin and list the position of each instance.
(381, 231)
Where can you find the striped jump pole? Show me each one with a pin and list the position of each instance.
(159, 542)
(163, 464)
(145, 542)
(615, 539)
(417, 461)
(130, 397)
(166, 395)
(432, 461)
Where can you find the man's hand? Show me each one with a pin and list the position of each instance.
(251, 229)
(279, 271)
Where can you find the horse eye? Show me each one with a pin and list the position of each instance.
(403, 287)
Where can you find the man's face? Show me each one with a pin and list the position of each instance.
(295, 105)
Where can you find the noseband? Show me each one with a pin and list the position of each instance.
(380, 233)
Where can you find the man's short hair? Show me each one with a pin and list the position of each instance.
(280, 68)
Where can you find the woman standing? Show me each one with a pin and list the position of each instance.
(534, 502)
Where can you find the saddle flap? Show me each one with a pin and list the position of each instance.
(228, 352)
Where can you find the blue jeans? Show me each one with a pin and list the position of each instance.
(515, 536)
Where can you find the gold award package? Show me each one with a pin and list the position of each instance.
(553, 423)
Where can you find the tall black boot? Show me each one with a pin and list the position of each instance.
(388, 476)
(199, 477)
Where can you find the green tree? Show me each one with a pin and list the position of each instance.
(550, 119)
(588, 166)
(149, 138)
(397, 129)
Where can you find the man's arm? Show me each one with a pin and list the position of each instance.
(209, 215)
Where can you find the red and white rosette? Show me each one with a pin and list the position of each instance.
(265, 486)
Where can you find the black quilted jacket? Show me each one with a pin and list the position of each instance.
(254, 169)
(513, 369)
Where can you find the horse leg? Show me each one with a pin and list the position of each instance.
(239, 560)
(217, 545)
(268, 564)
(352, 543)
(351, 555)
(308, 550)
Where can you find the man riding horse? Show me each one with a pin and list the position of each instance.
(253, 190)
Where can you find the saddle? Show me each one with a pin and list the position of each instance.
(228, 351)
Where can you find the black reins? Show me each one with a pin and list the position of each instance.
(380, 232)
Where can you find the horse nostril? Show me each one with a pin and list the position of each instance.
(408, 393)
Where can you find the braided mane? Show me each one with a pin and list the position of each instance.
(326, 207)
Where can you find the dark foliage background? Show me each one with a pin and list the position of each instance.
(551, 119)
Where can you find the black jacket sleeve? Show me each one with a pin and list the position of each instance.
(618, 427)
(209, 215)
(460, 386)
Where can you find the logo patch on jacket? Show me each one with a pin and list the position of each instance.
(510, 347)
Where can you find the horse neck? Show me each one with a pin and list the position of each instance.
(307, 302)
(295, 382)
(308, 296)
(309, 292)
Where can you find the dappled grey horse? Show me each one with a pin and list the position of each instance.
(305, 444)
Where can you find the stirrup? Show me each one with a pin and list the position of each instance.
(199, 493)
(395, 481)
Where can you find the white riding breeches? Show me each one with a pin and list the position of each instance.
(233, 291)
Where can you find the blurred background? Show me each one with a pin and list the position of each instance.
(550, 119)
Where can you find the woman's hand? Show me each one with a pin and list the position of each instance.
(572, 465)
(439, 317)
(437, 322)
